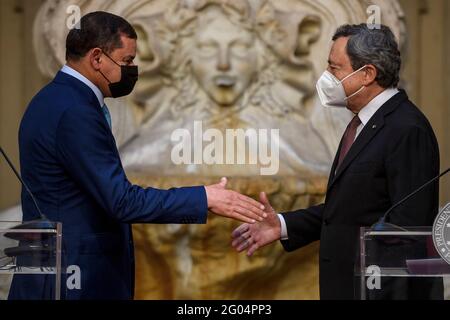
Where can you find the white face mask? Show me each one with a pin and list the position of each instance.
(331, 91)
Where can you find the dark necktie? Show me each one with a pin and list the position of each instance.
(349, 138)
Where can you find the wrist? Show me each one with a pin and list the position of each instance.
(278, 228)
(209, 197)
(282, 228)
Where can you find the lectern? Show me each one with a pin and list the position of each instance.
(399, 263)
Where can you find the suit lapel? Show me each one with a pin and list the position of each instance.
(335, 163)
(370, 130)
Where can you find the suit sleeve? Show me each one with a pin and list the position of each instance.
(303, 227)
(88, 153)
(412, 162)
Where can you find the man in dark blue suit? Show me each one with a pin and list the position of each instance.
(69, 159)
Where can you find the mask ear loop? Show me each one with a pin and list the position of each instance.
(104, 76)
(111, 58)
(354, 94)
(112, 61)
(351, 74)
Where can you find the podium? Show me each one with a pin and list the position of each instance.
(30, 251)
(399, 263)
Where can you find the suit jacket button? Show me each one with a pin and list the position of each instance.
(326, 222)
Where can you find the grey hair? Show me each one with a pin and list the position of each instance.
(376, 47)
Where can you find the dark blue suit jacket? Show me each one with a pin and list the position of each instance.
(69, 158)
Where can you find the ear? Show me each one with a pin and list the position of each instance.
(95, 58)
(370, 75)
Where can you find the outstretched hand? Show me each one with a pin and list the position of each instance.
(251, 237)
(231, 204)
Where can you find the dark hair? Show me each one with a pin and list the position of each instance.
(97, 30)
(375, 46)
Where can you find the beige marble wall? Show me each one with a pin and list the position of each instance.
(20, 79)
(427, 70)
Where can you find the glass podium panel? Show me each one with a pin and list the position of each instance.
(400, 263)
(26, 249)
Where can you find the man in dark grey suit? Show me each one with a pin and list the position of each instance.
(388, 150)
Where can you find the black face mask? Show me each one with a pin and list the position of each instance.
(129, 77)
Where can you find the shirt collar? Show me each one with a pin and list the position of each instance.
(369, 110)
(72, 72)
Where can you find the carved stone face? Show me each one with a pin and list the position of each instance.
(224, 60)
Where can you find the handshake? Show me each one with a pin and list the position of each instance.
(261, 226)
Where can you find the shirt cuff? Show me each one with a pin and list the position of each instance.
(284, 234)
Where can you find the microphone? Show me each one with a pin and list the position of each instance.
(382, 225)
(34, 249)
(42, 223)
(23, 183)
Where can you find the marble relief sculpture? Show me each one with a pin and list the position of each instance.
(227, 64)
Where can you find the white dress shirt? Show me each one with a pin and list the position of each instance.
(70, 71)
(369, 110)
(364, 115)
